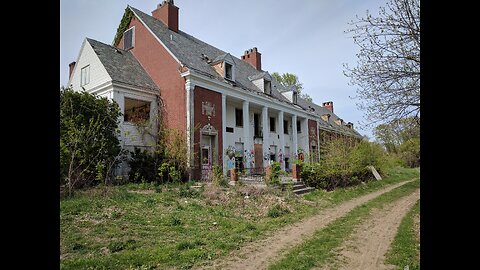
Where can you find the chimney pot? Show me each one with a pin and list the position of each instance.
(328, 105)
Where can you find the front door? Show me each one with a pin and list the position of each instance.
(258, 148)
(206, 156)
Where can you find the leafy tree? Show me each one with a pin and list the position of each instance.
(288, 79)
(89, 147)
(394, 134)
(388, 67)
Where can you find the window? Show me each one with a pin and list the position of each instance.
(239, 117)
(205, 160)
(229, 129)
(294, 97)
(299, 127)
(129, 39)
(285, 127)
(272, 124)
(136, 110)
(267, 87)
(228, 71)
(85, 75)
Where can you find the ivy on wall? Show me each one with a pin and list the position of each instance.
(127, 17)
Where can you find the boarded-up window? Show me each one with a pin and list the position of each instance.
(129, 39)
(136, 111)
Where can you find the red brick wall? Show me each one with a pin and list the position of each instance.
(164, 71)
(168, 14)
(200, 120)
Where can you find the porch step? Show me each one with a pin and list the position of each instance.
(299, 188)
(303, 190)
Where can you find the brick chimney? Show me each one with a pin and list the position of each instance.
(328, 105)
(253, 57)
(167, 12)
(71, 67)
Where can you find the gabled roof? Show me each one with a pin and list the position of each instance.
(199, 57)
(122, 66)
(191, 52)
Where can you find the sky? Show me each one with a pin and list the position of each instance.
(304, 37)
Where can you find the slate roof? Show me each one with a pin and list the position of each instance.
(191, 52)
(122, 66)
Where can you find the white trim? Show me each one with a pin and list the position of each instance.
(155, 36)
(70, 75)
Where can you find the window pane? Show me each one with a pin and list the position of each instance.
(285, 127)
(272, 124)
(299, 128)
(128, 39)
(239, 117)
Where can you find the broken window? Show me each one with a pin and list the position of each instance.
(228, 71)
(136, 110)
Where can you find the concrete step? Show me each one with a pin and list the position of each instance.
(303, 190)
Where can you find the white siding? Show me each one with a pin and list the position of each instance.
(98, 73)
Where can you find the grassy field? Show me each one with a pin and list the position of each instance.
(146, 227)
(405, 249)
(317, 250)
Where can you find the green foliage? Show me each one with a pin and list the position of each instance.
(273, 179)
(343, 163)
(401, 138)
(89, 147)
(187, 192)
(277, 211)
(217, 176)
(143, 166)
(124, 23)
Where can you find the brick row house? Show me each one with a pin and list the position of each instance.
(233, 113)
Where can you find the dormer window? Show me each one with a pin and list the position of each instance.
(129, 39)
(294, 97)
(229, 71)
(267, 87)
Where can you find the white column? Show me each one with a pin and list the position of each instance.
(282, 140)
(189, 87)
(224, 134)
(247, 140)
(318, 140)
(266, 134)
(295, 138)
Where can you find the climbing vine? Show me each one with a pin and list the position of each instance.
(127, 17)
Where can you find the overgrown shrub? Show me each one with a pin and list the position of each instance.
(273, 178)
(143, 166)
(217, 176)
(343, 163)
(277, 210)
(89, 147)
(410, 152)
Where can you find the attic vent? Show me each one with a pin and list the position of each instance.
(129, 39)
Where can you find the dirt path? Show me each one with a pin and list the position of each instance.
(259, 254)
(366, 248)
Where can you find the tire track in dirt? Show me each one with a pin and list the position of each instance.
(367, 246)
(259, 254)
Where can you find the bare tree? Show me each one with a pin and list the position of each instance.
(388, 66)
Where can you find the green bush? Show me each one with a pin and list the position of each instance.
(217, 176)
(187, 192)
(277, 210)
(89, 147)
(273, 179)
(343, 163)
(143, 165)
